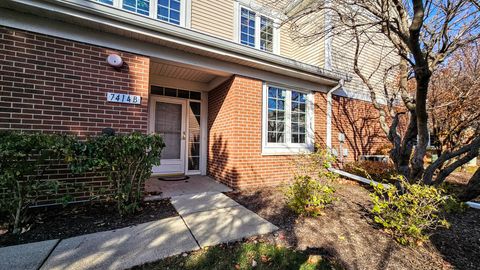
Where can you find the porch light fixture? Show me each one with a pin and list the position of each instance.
(115, 60)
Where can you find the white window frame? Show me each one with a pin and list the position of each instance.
(237, 28)
(288, 148)
(185, 11)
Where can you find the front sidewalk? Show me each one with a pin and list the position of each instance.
(205, 219)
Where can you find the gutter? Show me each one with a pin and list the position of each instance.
(473, 205)
(329, 112)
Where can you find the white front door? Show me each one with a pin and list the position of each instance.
(168, 119)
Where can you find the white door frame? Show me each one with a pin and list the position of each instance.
(171, 166)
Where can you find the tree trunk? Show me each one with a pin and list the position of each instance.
(407, 146)
(473, 188)
(423, 79)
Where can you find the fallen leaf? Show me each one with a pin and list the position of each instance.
(264, 258)
(314, 259)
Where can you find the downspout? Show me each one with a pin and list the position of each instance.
(329, 113)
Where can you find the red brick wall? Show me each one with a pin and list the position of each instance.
(235, 124)
(357, 119)
(235, 144)
(55, 85)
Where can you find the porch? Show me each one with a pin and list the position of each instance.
(178, 110)
(194, 184)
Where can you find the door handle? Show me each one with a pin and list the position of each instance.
(184, 136)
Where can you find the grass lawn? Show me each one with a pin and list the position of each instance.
(243, 255)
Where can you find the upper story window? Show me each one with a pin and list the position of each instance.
(171, 11)
(257, 30)
(287, 121)
(247, 25)
(266, 34)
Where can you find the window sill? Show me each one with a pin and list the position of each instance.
(285, 151)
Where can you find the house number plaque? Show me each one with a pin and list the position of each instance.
(123, 98)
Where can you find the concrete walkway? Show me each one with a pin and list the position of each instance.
(214, 218)
(205, 219)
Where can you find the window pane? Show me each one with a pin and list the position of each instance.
(301, 138)
(168, 124)
(280, 138)
(276, 115)
(247, 27)
(194, 135)
(272, 103)
(175, 5)
(271, 126)
(272, 114)
(163, 13)
(266, 34)
(137, 6)
(281, 105)
(298, 108)
(272, 92)
(281, 116)
(295, 138)
(193, 163)
(294, 127)
(169, 11)
(272, 137)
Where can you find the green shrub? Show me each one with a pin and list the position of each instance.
(24, 159)
(410, 216)
(312, 187)
(307, 196)
(126, 160)
(373, 170)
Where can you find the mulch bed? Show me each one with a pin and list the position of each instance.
(63, 222)
(347, 235)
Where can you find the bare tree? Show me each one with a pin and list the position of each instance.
(454, 108)
(423, 34)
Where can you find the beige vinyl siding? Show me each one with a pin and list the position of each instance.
(304, 45)
(213, 17)
(374, 59)
(286, 43)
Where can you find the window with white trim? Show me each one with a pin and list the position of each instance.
(257, 30)
(298, 117)
(266, 34)
(171, 11)
(287, 120)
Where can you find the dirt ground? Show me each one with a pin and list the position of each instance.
(72, 220)
(458, 181)
(346, 234)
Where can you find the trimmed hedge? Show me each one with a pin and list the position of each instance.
(126, 160)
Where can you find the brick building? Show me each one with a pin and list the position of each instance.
(234, 97)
